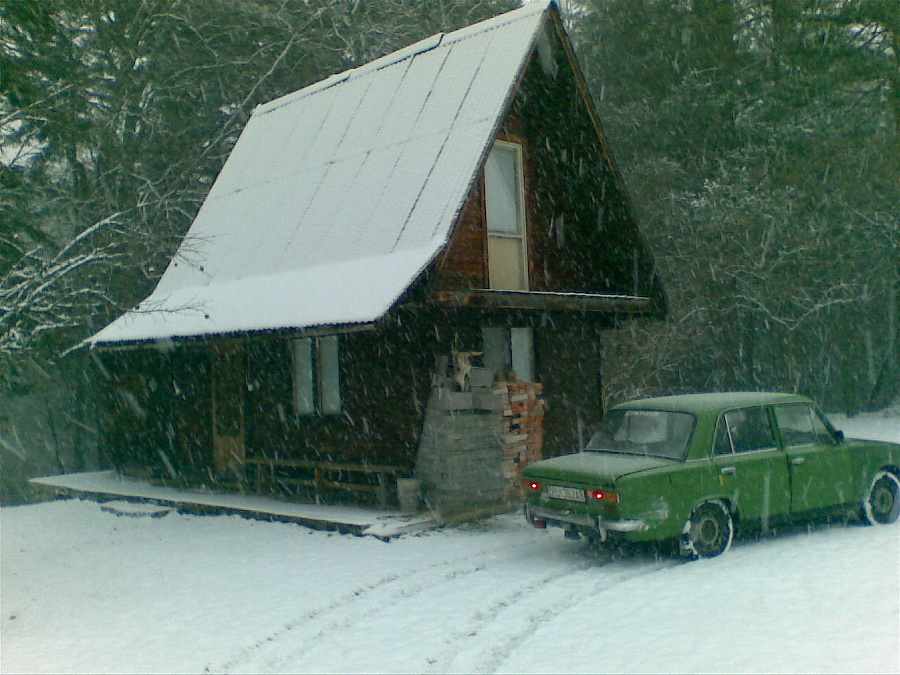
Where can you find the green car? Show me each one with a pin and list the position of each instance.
(691, 468)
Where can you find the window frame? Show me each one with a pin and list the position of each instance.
(520, 237)
(517, 345)
(316, 378)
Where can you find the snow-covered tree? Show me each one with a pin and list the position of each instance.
(115, 118)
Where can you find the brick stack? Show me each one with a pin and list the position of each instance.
(522, 431)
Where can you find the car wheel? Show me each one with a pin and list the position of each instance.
(708, 532)
(882, 503)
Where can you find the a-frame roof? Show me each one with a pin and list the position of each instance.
(337, 197)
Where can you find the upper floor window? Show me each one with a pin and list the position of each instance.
(505, 207)
(317, 375)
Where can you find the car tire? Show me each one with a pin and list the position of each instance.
(708, 532)
(882, 503)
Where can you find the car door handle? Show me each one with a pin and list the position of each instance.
(727, 471)
(797, 461)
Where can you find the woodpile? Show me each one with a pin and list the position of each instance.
(522, 430)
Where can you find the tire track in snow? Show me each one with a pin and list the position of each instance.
(461, 566)
(490, 614)
(502, 645)
(352, 614)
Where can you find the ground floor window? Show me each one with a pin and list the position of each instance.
(317, 375)
(510, 349)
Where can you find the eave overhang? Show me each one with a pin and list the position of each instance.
(168, 343)
(550, 301)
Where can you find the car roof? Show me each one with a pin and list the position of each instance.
(712, 402)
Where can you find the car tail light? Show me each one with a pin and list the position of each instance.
(532, 485)
(603, 496)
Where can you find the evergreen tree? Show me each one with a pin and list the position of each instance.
(760, 142)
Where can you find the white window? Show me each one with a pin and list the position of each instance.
(317, 376)
(509, 349)
(521, 347)
(505, 207)
(304, 378)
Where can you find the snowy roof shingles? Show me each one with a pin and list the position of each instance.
(336, 197)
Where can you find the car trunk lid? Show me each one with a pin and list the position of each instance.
(593, 467)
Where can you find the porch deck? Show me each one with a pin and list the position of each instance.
(107, 485)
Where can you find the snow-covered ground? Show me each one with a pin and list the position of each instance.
(84, 590)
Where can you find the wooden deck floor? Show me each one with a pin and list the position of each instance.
(109, 485)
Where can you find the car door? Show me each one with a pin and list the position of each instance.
(751, 466)
(821, 470)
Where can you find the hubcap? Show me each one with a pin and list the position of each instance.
(882, 501)
(709, 532)
(708, 535)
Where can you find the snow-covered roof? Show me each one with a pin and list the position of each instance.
(336, 197)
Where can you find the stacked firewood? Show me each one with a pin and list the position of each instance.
(522, 430)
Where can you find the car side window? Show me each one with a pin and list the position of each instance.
(799, 424)
(723, 440)
(748, 429)
(824, 432)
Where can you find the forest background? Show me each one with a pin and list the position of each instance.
(758, 138)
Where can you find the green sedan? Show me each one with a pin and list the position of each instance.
(691, 468)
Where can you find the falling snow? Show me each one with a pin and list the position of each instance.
(343, 192)
(85, 590)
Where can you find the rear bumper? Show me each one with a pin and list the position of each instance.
(565, 518)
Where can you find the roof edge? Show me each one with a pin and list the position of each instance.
(169, 342)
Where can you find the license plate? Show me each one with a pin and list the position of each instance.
(568, 493)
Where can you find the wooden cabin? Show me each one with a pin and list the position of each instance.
(450, 206)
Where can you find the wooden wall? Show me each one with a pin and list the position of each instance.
(385, 380)
(157, 408)
(463, 264)
(155, 411)
(569, 363)
(581, 233)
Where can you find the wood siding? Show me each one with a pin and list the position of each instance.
(582, 236)
(569, 355)
(464, 263)
(158, 405)
(155, 412)
(385, 375)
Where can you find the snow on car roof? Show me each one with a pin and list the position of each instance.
(336, 197)
(712, 401)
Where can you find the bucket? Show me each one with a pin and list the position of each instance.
(409, 494)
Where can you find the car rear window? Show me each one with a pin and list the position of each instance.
(656, 433)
